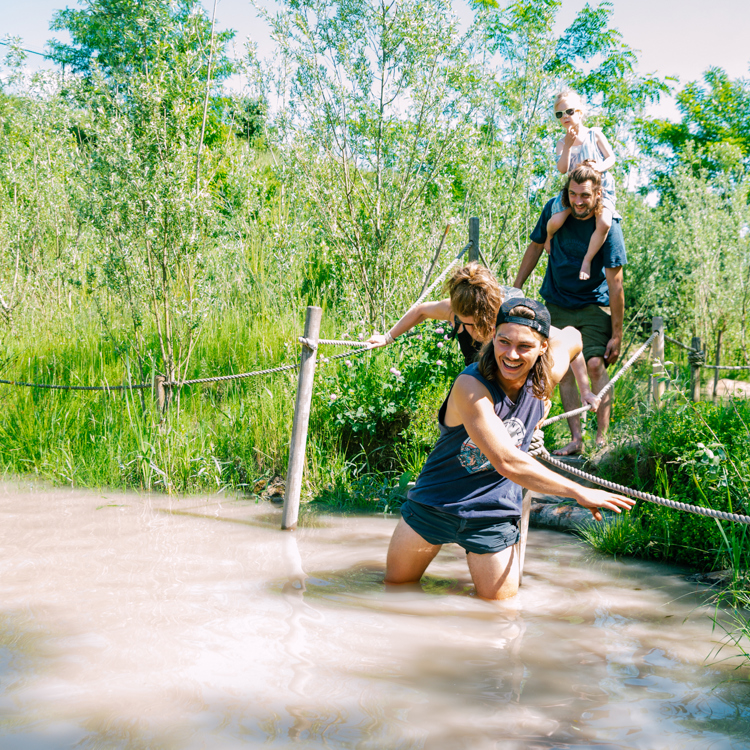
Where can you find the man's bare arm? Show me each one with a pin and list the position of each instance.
(617, 305)
(528, 264)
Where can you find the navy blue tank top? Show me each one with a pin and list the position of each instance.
(458, 479)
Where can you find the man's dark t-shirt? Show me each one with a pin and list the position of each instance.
(561, 285)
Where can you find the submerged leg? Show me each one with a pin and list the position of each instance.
(408, 555)
(496, 575)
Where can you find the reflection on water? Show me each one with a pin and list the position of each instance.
(147, 622)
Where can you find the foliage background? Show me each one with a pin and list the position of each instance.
(154, 222)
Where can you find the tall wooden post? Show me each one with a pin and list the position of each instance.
(474, 238)
(657, 352)
(717, 362)
(695, 372)
(301, 420)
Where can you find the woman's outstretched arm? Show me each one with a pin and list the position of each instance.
(440, 310)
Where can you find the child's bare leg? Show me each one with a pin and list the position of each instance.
(603, 225)
(553, 225)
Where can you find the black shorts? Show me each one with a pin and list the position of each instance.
(482, 536)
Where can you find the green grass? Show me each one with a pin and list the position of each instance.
(227, 434)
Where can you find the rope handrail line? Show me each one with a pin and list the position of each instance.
(334, 342)
(238, 376)
(695, 509)
(609, 386)
(443, 274)
(726, 367)
(53, 387)
(679, 343)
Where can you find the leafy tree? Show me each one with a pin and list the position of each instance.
(526, 64)
(39, 251)
(144, 86)
(714, 130)
(121, 38)
(378, 101)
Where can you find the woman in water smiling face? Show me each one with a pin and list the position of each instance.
(469, 491)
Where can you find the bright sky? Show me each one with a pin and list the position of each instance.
(674, 37)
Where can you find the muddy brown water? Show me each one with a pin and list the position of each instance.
(132, 621)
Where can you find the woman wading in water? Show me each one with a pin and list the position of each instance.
(469, 491)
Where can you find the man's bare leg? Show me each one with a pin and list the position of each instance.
(496, 575)
(408, 555)
(571, 399)
(598, 375)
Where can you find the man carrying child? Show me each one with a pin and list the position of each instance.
(595, 306)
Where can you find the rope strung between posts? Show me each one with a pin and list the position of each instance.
(362, 347)
(132, 386)
(332, 342)
(238, 376)
(679, 343)
(695, 509)
(607, 387)
(726, 367)
(442, 276)
(697, 357)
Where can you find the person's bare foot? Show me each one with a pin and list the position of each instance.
(601, 441)
(571, 449)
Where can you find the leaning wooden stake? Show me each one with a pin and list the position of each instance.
(474, 238)
(301, 420)
(695, 373)
(657, 352)
(717, 363)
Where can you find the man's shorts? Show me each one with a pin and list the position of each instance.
(481, 536)
(593, 322)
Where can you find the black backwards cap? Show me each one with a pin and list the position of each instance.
(541, 321)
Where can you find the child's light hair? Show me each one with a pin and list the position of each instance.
(573, 96)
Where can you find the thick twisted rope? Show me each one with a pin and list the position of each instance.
(695, 509)
(697, 358)
(607, 387)
(238, 376)
(442, 276)
(332, 342)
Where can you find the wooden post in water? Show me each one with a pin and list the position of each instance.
(695, 373)
(474, 238)
(525, 515)
(657, 352)
(717, 363)
(301, 420)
